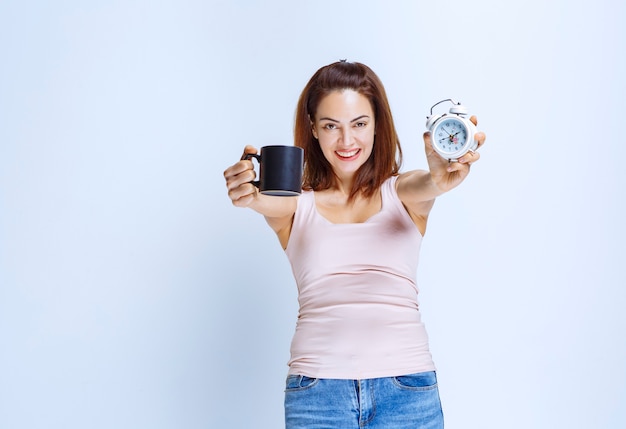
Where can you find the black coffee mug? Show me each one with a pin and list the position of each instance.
(280, 170)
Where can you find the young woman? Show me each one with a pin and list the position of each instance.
(359, 355)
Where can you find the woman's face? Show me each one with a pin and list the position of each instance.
(345, 127)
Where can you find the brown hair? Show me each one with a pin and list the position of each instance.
(386, 156)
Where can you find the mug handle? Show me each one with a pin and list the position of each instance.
(246, 157)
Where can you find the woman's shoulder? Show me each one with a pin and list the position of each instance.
(305, 199)
(389, 185)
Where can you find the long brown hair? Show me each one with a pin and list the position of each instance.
(386, 157)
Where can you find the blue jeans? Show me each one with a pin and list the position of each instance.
(410, 401)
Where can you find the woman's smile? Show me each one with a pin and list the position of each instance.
(348, 155)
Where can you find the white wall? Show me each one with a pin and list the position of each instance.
(133, 295)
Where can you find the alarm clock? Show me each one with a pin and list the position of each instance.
(452, 133)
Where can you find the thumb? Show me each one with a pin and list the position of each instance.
(428, 142)
(249, 149)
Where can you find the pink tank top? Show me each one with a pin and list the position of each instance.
(359, 316)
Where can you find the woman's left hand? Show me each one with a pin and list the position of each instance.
(448, 175)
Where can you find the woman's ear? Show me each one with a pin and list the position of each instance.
(313, 130)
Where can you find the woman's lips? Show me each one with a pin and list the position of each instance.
(347, 155)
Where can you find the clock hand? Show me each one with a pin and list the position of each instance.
(451, 138)
(444, 130)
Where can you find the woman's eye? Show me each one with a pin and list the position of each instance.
(360, 124)
(330, 126)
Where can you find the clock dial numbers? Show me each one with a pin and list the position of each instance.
(450, 135)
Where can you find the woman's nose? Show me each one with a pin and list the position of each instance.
(346, 136)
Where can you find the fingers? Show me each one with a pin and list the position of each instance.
(428, 143)
(244, 195)
(238, 180)
(457, 167)
(238, 173)
(243, 165)
(480, 138)
(469, 158)
(241, 191)
(427, 138)
(248, 150)
(464, 163)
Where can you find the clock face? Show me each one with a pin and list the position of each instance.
(450, 135)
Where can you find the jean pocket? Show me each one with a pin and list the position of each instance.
(419, 381)
(300, 382)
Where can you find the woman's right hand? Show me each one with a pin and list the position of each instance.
(278, 211)
(238, 177)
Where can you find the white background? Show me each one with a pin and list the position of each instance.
(134, 295)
